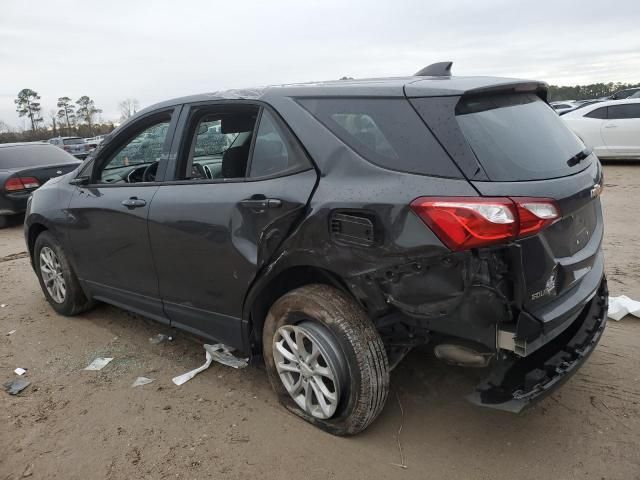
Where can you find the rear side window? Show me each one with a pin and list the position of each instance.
(600, 113)
(33, 156)
(518, 137)
(385, 131)
(73, 141)
(619, 112)
(275, 152)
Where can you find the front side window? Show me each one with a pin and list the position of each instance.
(137, 160)
(620, 112)
(274, 152)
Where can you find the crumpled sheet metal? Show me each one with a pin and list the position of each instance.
(620, 307)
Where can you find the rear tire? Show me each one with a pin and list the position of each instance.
(351, 360)
(57, 279)
(4, 221)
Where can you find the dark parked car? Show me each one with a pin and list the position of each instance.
(334, 226)
(23, 168)
(622, 94)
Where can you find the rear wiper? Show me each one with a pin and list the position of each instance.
(578, 157)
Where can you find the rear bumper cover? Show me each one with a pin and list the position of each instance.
(517, 382)
(14, 203)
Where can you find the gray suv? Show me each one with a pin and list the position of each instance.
(332, 227)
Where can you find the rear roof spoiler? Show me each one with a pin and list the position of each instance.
(440, 69)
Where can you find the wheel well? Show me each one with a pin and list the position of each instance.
(35, 230)
(284, 282)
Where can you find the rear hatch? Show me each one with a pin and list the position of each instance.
(510, 143)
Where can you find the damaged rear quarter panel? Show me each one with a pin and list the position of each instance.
(384, 272)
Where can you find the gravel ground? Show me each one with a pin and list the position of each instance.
(226, 423)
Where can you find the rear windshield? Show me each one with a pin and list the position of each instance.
(385, 131)
(72, 141)
(33, 156)
(518, 137)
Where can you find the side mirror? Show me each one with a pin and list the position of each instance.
(80, 181)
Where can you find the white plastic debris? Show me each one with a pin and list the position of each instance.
(19, 371)
(141, 381)
(621, 306)
(11, 332)
(185, 377)
(220, 353)
(2, 305)
(99, 363)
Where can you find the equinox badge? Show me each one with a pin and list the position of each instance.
(549, 287)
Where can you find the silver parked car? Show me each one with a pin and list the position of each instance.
(73, 145)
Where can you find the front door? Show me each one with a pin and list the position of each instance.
(241, 182)
(621, 131)
(109, 234)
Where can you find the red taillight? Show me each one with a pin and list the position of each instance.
(535, 214)
(21, 183)
(66, 148)
(462, 223)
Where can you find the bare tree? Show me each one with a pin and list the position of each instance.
(128, 108)
(53, 119)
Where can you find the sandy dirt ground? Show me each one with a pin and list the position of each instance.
(226, 423)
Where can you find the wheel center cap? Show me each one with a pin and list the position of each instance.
(305, 370)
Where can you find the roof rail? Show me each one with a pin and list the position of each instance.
(440, 69)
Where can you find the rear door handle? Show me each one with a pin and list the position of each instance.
(262, 203)
(133, 202)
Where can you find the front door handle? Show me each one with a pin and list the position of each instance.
(133, 202)
(611, 126)
(262, 203)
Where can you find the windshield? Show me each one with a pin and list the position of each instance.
(518, 137)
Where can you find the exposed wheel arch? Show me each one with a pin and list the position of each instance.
(34, 231)
(259, 302)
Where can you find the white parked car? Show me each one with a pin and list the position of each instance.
(611, 128)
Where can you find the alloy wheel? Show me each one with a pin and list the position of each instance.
(308, 361)
(52, 276)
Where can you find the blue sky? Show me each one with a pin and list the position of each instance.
(154, 50)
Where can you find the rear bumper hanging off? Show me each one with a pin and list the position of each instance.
(517, 382)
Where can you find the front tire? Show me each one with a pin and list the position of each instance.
(325, 359)
(57, 279)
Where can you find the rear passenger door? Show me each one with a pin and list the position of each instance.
(241, 180)
(621, 130)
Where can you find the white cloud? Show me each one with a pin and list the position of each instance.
(154, 50)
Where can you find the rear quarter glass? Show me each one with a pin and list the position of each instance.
(385, 131)
(518, 137)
